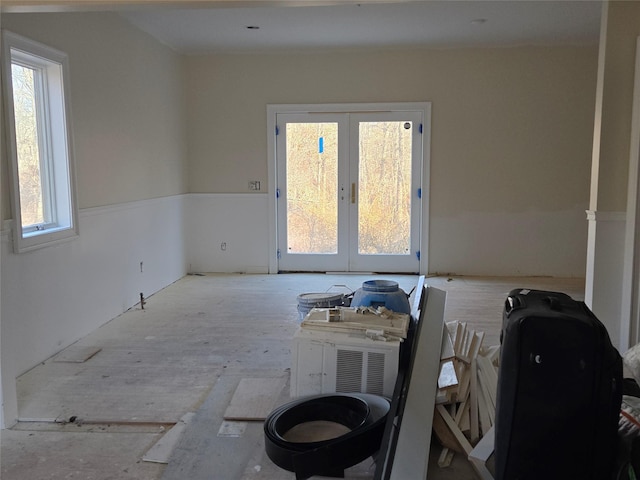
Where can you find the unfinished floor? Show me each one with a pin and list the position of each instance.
(129, 382)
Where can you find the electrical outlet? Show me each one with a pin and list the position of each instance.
(254, 185)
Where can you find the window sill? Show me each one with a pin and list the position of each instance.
(31, 241)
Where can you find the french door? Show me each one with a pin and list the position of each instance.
(348, 191)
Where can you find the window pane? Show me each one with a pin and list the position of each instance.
(312, 188)
(384, 193)
(28, 150)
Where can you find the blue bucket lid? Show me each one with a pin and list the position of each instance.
(380, 286)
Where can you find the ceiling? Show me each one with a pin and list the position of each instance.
(436, 24)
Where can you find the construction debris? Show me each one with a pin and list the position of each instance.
(466, 398)
(378, 324)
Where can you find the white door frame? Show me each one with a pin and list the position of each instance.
(273, 110)
(630, 307)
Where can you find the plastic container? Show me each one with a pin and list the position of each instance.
(307, 301)
(382, 293)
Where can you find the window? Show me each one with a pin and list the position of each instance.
(39, 138)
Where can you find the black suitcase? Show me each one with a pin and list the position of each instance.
(559, 391)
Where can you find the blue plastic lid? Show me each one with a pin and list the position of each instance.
(380, 286)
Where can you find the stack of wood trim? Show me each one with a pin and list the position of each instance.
(351, 320)
(467, 386)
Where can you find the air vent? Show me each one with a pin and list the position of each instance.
(349, 371)
(375, 373)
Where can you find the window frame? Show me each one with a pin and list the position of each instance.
(55, 145)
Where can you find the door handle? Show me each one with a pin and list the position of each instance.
(353, 193)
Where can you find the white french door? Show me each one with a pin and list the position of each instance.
(348, 191)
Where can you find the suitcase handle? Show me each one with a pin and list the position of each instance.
(554, 303)
(512, 303)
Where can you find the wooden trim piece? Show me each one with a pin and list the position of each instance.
(455, 431)
(445, 435)
(481, 453)
(473, 399)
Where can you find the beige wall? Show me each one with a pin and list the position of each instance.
(621, 31)
(512, 127)
(511, 131)
(127, 105)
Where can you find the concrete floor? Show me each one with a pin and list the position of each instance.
(186, 352)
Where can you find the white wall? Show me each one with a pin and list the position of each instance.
(603, 288)
(240, 221)
(54, 296)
